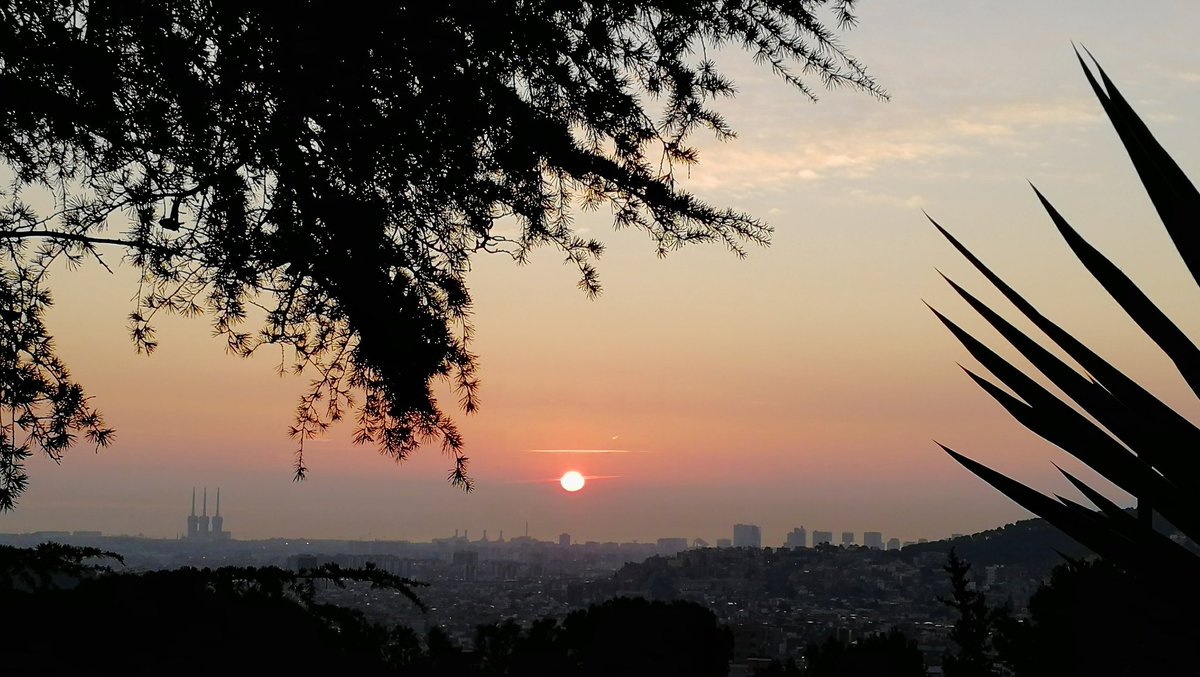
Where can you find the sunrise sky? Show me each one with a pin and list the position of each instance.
(801, 386)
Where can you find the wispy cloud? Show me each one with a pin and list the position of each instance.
(556, 480)
(901, 201)
(584, 451)
(782, 159)
(753, 169)
(1006, 122)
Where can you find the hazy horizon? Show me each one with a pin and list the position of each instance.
(801, 386)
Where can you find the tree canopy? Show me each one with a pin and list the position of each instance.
(318, 179)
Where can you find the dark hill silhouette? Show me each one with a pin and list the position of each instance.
(1031, 542)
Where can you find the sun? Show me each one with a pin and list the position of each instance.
(572, 481)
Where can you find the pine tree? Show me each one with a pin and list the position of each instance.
(338, 169)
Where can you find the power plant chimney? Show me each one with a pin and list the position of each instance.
(218, 522)
(193, 523)
(203, 530)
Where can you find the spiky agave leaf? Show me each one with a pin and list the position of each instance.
(1124, 522)
(1173, 194)
(1052, 419)
(1082, 528)
(1127, 424)
(1132, 300)
(1172, 428)
(1137, 442)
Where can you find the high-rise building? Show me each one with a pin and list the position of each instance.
(564, 540)
(847, 538)
(467, 564)
(822, 538)
(992, 574)
(747, 536)
(893, 544)
(873, 540)
(724, 543)
(796, 538)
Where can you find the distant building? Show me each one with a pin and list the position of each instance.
(822, 537)
(893, 544)
(564, 540)
(847, 538)
(466, 564)
(992, 574)
(218, 522)
(796, 538)
(203, 528)
(700, 543)
(747, 536)
(724, 543)
(193, 522)
(671, 546)
(303, 562)
(873, 540)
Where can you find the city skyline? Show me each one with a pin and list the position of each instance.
(202, 527)
(800, 386)
(561, 539)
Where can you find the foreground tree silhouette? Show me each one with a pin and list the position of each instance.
(972, 628)
(337, 170)
(622, 637)
(185, 621)
(878, 654)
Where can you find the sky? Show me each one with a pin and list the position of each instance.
(802, 385)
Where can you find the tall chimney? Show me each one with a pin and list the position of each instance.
(202, 529)
(218, 522)
(193, 522)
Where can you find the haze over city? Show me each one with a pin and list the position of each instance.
(800, 386)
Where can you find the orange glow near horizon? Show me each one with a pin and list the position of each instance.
(802, 386)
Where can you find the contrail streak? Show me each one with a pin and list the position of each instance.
(583, 451)
(557, 479)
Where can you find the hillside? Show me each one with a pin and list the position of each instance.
(1031, 542)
